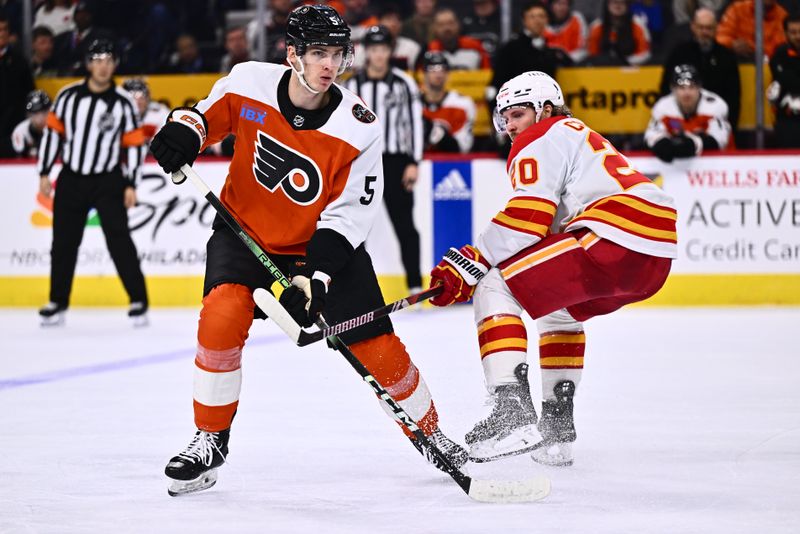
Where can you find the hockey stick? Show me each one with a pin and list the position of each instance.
(303, 338)
(480, 490)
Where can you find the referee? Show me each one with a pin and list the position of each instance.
(92, 125)
(395, 99)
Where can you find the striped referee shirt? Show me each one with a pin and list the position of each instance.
(395, 99)
(92, 130)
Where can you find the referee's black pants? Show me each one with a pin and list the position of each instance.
(400, 205)
(74, 195)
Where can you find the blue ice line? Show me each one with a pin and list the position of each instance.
(131, 363)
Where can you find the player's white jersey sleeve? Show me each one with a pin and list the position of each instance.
(353, 212)
(464, 135)
(21, 138)
(537, 173)
(656, 127)
(714, 107)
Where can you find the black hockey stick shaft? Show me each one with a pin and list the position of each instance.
(306, 338)
(461, 479)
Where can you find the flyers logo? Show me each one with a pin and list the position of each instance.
(275, 165)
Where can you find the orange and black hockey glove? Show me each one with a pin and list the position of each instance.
(458, 272)
(179, 140)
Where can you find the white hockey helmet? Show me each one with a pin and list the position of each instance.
(530, 89)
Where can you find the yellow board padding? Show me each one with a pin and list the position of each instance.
(609, 99)
(165, 291)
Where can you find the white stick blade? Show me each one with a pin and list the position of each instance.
(505, 491)
(270, 305)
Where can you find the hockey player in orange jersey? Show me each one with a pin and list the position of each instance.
(306, 182)
(583, 234)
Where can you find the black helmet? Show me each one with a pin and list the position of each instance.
(100, 47)
(377, 35)
(316, 25)
(435, 60)
(137, 85)
(685, 75)
(37, 101)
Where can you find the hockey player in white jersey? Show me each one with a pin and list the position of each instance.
(449, 116)
(583, 234)
(688, 121)
(27, 135)
(152, 115)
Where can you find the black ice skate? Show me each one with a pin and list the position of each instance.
(52, 314)
(195, 468)
(138, 314)
(511, 427)
(451, 450)
(557, 427)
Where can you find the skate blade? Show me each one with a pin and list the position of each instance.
(54, 320)
(183, 487)
(140, 321)
(555, 455)
(522, 440)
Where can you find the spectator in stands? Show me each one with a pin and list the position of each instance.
(24, 140)
(405, 51)
(277, 16)
(418, 26)
(785, 89)
(618, 38)
(737, 31)
(43, 64)
(590, 9)
(483, 24)
(657, 16)
(57, 15)
(448, 116)
(15, 81)
(715, 63)
(528, 51)
(70, 47)
(461, 52)
(683, 10)
(187, 58)
(566, 30)
(359, 17)
(689, 121)
(236, 48)
(11, 10)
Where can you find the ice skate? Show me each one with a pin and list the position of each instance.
(138, 314)
(52, 314)
(195, 468)
(449, 448)
(557, 427)
(511, 427)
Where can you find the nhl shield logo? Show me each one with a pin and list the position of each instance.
(362, 114)
(298, 121)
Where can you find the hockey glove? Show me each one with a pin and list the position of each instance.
(179, 141)
(305, 298)
(663, 150)
(458, 273)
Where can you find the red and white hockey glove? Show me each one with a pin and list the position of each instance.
(458, 272)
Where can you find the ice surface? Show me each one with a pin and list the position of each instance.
(688, 421)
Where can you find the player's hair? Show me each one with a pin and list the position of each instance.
(561, 111)
(534, 4)
(792, 17)
(445, 9)
(41, 31)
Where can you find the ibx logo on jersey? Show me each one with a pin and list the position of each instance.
(253, 114)
(275, 165)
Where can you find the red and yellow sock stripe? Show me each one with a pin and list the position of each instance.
(562, 350)
(500, 333)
